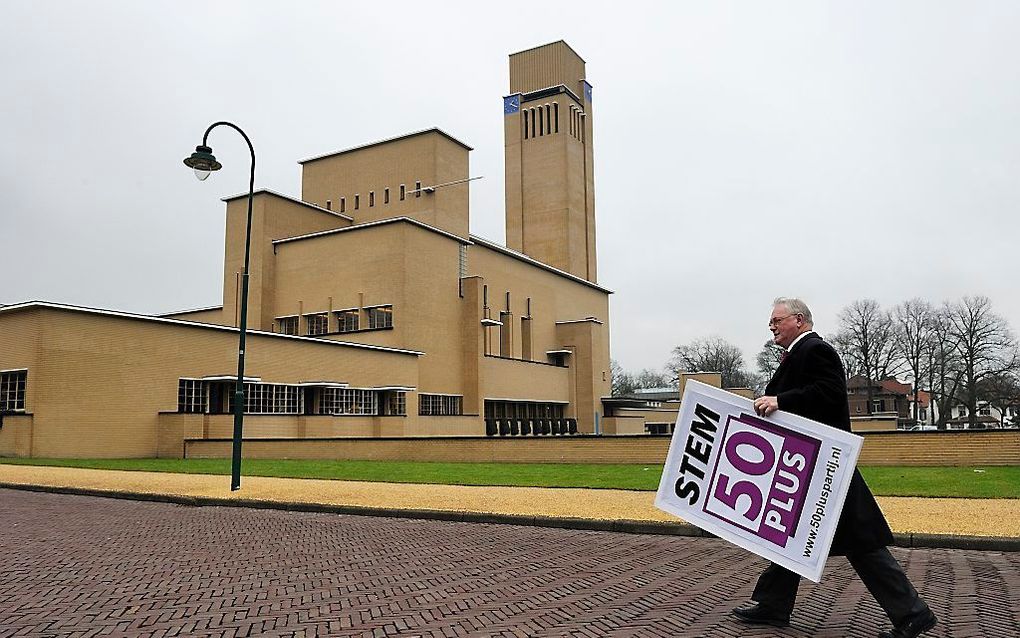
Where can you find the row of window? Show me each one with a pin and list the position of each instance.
(12, 390)
(197, 396)
(342, 202)
(577, 117)
(440, 405)
(542, 120)
(523, 410)
(317, 323)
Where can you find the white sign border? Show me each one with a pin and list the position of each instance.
(811, 568)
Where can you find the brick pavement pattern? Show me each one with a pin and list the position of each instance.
(84, 566)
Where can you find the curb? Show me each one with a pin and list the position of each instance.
(659, 528)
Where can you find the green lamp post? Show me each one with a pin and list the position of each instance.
(204, 162)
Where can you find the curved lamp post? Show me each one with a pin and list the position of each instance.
(204, 162)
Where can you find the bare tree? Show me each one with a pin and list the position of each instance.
(712, 355)
(1002, 392)
(623, 382)
(866, 341)
(984, 344)
(912, 339)
(768, 359)
(653, 379)
(943, 363)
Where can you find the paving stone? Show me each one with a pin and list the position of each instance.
(84, 566)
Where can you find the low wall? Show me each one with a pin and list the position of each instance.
(880, 448)
(956, 447)
(550, 449)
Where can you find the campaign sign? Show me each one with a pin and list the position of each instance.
(773, 486)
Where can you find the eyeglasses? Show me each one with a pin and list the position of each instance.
(775, 321)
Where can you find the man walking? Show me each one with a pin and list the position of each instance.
(810, 382)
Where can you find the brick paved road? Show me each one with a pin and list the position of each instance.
(82, 566)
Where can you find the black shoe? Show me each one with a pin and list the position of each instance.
(758, 614)
(913, 628)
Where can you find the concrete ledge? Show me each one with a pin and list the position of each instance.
(665, 528)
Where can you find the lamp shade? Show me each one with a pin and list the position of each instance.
(203, 160)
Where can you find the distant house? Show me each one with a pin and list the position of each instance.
(888, 398)
(988, 416)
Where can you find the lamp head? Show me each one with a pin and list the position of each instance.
(203, 162)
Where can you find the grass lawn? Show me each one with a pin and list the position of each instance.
(984, 482)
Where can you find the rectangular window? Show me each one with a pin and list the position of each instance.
(403, 192)
(343, 204)
(271, 398)
(349, 401)
(984, 410)
(329, 204)
(191, 396)
(318, 323)
(371, 199)
(380, 317)
(396, 403)
(288, 325)
(417, 189)
(440, 405)
(347, 320)
(386, 196)
(357, 202)
(12, 390)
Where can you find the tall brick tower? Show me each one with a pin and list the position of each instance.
(550, 183)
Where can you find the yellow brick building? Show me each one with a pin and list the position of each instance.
(372, 310)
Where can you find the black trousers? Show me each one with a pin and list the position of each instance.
(877, 569)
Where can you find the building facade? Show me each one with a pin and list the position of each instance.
(372, 310)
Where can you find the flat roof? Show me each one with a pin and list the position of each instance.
(387, 141)
(190, 310)
(316, 207)
(481, 241)
(549, 44)
(378, 222)
(194, 324)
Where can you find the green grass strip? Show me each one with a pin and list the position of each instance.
(971, 482)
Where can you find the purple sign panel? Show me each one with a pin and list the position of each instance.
(761, 477)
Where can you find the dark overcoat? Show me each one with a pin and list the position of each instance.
(811, 383)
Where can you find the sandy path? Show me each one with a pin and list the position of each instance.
(978, 517)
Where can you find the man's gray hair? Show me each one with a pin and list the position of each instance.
(796, 306)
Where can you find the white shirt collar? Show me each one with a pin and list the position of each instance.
(799, 337)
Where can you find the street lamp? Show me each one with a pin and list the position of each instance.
(204, 162)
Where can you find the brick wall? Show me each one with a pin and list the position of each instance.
(894, 448)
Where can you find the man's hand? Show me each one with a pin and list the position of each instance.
(765, 406)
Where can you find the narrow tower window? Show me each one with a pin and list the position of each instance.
(386, 196)
(556, 115)
(524, 119)
(371, 199)
(357, 202)
(343, 204)
(403, 191)
(548, 119)
(329, 204)
(417, 189)
(541, 121)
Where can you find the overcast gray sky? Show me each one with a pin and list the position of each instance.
(744, 150)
